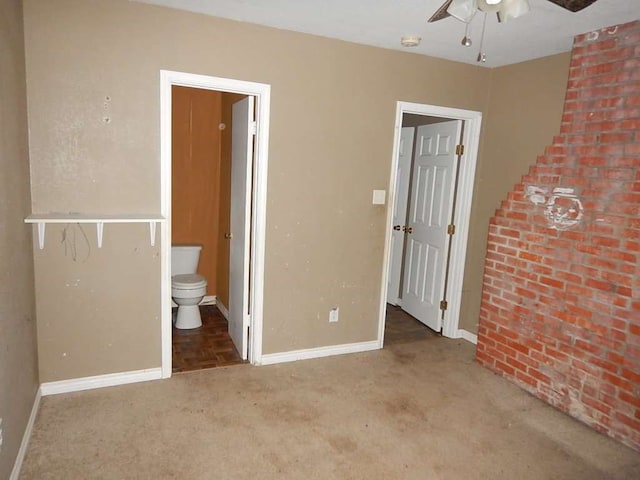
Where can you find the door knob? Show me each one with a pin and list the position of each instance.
(407, 229)
(228, 236)
(397, 227)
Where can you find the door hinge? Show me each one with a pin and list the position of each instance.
(443, 304)
(451, 229)
(459, 149)
(254, 128)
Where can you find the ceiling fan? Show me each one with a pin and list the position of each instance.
(464, 10)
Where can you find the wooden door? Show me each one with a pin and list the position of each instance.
(405, 155)
(432, 189)
(241, 168)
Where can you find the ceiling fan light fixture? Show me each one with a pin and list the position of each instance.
(489, 6)
(510, 9)
(463, 10)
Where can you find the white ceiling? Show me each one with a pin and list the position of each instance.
(546, 30)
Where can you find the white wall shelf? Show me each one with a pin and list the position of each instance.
(41, 219)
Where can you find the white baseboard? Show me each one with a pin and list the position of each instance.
(22, 451)
(468, 336)
(100, 381)
(223, 310)
(309, 353)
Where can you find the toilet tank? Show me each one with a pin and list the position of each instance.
(184, 259)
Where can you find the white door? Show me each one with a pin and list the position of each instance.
(241, 167)
(432, 190)
(405, 153)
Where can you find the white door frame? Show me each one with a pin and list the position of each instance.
(262, 94)
(471, 141)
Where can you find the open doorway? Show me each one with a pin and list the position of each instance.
(212, 151)
(247, 206)
(433, 169)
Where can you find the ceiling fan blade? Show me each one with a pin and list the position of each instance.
(441, 13)
(573, 5)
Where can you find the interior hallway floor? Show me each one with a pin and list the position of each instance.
(400, 327)
(414, 410)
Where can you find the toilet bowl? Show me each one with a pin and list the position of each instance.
(187, 290)
(187, 287)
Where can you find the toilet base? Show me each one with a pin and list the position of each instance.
(188, 316)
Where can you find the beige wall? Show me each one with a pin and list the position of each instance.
(96, 307)
(324, 238)
(523, 115)
(18, 359)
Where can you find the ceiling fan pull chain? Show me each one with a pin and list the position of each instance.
(481, 55)
(466, 40)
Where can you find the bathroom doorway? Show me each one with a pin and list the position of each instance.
(206, 149)
(210, 199)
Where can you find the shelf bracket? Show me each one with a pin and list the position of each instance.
(41, 221)
(41, 229)
(152, 233)
(99, 232)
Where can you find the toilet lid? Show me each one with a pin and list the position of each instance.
(188, 280)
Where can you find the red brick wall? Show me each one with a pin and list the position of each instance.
(560, 313)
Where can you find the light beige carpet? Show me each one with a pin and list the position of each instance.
(420, 410)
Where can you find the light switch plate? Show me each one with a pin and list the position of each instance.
(379, 197)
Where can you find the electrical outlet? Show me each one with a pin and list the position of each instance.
(333, 314)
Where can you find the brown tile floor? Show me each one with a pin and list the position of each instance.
(205, 347)
(400, 327)
(210, 345)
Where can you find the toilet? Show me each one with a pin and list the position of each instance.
(187, 287)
